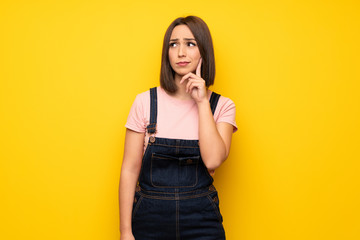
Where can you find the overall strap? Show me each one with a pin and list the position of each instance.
(151, 128)
(214, 98)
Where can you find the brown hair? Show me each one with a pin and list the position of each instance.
(204, 42)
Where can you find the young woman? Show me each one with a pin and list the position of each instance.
(177, 135)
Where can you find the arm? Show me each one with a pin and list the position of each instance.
(130, 169)
(214, 139)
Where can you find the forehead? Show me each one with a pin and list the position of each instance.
(181, 31)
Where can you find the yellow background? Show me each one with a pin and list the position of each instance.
(70, 71)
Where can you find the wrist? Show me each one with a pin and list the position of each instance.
(126, 231)
(203, 103)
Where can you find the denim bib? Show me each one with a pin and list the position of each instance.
(175, 197)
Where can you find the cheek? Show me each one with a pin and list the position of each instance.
(171, 53)
(171, 58)
(196, 54)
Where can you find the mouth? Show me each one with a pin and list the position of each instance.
(182, 64)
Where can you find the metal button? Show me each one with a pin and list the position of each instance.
(189, 161)
(215, 199)
(152, 139)
(135, 200)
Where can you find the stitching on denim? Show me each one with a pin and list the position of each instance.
(166, 145)
(159, 186)
(180, 192)
(137, 206)
(215, 208)
(177, 149)
(173, 198)
(177, 221)
(167, 156)
(151, 128)
(171, 158)
(143, 160)
(151, 163)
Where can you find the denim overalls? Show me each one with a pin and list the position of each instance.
(175, 198)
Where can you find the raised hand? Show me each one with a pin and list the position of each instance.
(196, 85)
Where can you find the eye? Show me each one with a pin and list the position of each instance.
(191, 44)
(172, 44)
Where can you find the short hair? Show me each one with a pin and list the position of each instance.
(203, 39)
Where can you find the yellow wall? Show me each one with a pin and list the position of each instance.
(71, 69)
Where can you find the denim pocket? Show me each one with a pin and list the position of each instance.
(170, 171)
(214, 200)
(137, 200)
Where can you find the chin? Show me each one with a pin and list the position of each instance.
(183, 72)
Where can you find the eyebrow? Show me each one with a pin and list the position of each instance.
(176, 39)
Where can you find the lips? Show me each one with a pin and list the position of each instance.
(182, 64)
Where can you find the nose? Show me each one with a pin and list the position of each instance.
(182, 51)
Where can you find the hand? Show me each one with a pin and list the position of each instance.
(196, 85)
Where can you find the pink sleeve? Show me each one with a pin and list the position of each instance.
(225, 112)
(137, 120)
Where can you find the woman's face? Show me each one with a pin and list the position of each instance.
(184, 54)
